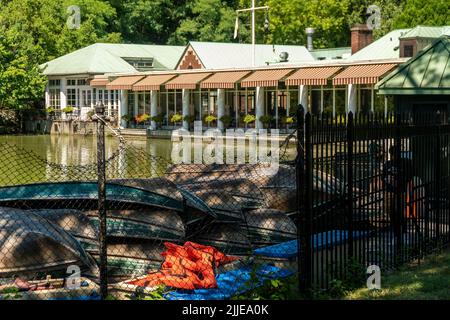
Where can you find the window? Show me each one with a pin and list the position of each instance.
(54, 98)
(140, 64)
(71, 82)
(408, 51)
(116, 101)
(131, 104)
(54, 83)
(81, 82)
(72, 97)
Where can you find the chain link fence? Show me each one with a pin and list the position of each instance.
(137, 226)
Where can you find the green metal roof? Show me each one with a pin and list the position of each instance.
(101, 58)
(331, 53)
(426, 32)
(386, 47)
(427, 73)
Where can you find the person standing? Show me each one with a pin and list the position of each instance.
(396, 175)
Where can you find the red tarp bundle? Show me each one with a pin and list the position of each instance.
(190, 266)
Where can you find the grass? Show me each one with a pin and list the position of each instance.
(429, 280)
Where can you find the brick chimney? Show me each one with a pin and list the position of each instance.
(362, 36)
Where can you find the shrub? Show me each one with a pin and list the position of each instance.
(266, 119)
(176, 118)
(249, 119)
(142, 118)
(68, 109)
(288, 120)
(50, 110)
(210, 118)
(158, 119)
(189, 118)
(126, 117)
(226, 120)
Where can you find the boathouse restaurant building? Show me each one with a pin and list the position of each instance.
(215, 78)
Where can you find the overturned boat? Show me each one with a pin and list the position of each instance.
(31, 245)
(161, 224)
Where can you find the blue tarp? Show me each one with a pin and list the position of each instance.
(231, 283)
(319, 241)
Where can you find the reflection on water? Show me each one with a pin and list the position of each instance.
(56, 158)
(81, 150)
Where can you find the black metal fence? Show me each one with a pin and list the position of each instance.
(349, 193)
(374, 190)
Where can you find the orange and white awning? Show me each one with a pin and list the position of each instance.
(152, 82)
(363, 74)
(99, 82)
(265, 78)
(313, 76)
(223, 80)
(123, 83)
(186, 81)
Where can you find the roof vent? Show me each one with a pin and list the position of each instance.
(284, 56)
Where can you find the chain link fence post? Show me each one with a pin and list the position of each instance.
(100, 109)
(304, 199)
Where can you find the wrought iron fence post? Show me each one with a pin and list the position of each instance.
(100, 109)
(398, 216)
(304, 171)
(437, 193)
(350, 138)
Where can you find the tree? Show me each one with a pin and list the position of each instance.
(45, 21)
(388, 10)
(149, 21)
(208, 20)
(418, 12)
(289, 19)
(22, 82)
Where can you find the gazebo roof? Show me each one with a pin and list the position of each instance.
(427, 73)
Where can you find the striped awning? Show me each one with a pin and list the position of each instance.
(99, 82)
(123, 83)
(152, 82)
(186, 81)
(363, 74)
(313, 76)
(265, 78)
(223, 80)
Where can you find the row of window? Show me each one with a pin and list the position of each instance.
(84, 98)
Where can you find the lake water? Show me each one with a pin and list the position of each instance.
(38, 158)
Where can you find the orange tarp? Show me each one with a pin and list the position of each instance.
(190, 267)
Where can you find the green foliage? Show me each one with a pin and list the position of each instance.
(249, 118)
(226, 120)
(176, 118)
(289, 19)
(126, 117)
(273, 289)
(10, 294)
(210, 118)
(288, 120)
(50, 110)
(22, 84)
(418, 12)
(142, 118)
(266, 119)
(207, 20)
(189, 118)
(90, 113)
(68, 109)
(158, 119)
